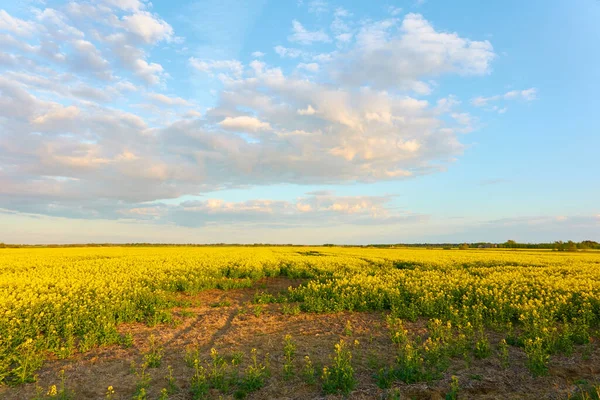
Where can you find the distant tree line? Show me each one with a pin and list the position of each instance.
(559, 245)
(509, 244)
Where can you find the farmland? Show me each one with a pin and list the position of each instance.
(298, 322)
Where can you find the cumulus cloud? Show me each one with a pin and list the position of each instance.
(310, 67)
(244, 123)
(151, 73)
(128, 5)
(57, 113)
(76, 142)
(308, 111)
(15, 25)
(168, 100)
(302, 132)
(387, 58)
(340, 25)
(56, 25)
(147, 27)
(91, 38)
(87, 57)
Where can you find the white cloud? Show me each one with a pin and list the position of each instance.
(192, 114)
(384, 59)
(394, 11)
(87, 57)
(56, 24)
(303, 207)
(308, 210)
(126, 86)
(340, 24)
(462, 118)
(529, 94)
(148, 27)
(446, 104)
(257, 66)
(308, 111)
(303, 36)
(258, 54)
(151, 73)
(134, 59)
(318, 7)
(128, 5)
(361, 135)
(57, 113)
(372, 135)
(341, 12)
(526, 95)
(288, 52)
(344, 37)
(64, 134)
(15, 25)
(244, 123)
(168, 100)
(126, 33)
(233, 66)
(324, 57)
(310, 67)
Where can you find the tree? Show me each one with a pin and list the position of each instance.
(463, 246)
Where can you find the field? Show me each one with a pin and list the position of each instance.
(298, 322)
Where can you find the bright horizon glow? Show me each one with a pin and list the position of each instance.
(314, 122)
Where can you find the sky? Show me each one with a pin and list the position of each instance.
(299, 121)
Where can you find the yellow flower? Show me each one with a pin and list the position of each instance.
(52, 392)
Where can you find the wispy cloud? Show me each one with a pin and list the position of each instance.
(524, 95)
(303, 36)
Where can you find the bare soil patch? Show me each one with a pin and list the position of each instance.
(229, 322)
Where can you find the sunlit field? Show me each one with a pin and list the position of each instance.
(298, 322)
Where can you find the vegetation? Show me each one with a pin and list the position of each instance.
(339, 377)
(57, 303)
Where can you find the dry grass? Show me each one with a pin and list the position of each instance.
(236, 328)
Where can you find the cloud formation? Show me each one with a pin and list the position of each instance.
(303, 36)
(398, 54)
(527, 95)
(309, 210)
(89, 127)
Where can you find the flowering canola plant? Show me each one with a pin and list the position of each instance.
(62, 300)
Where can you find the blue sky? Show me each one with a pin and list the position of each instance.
(299, 121)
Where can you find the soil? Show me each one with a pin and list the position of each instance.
(226, 321)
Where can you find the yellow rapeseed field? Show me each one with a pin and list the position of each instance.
(65, 300)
